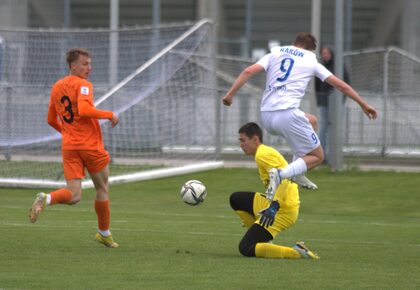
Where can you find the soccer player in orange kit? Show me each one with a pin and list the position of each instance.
(72, 113)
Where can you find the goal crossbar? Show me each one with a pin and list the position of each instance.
(133, 177)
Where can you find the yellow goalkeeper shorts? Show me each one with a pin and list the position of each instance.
(285, 217)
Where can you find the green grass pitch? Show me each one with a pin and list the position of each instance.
(364, 225)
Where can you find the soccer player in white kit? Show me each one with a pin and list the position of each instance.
(289, 70)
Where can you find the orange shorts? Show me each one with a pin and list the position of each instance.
(75, 161)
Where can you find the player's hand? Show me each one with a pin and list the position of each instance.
(370, 112)
(268, 215)
(227, 101)
(114, 120)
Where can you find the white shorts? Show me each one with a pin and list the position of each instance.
(293, 125)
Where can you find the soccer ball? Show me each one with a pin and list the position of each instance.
(193, 192)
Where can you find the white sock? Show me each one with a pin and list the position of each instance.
(104, 233)
(295, 168)
(48, 201)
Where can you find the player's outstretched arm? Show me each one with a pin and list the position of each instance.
(89, 111)
(245, 75)
(347, 90)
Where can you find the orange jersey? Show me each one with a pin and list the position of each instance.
(72, 112)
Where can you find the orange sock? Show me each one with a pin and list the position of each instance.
(103, 213)
(61, 196)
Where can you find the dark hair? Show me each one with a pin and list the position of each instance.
(73, 54)
(251, 129)
(305, 40)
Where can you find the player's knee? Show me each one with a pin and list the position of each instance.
(246, 248)
(321, 157)
(235, 200)
(317, 156)
(102, 193)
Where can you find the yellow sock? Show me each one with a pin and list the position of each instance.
(267, 250)
(247, 218)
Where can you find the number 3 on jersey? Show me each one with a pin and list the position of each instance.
(286, 66)
(68, 108)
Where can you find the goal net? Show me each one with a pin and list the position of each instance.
(160, 81)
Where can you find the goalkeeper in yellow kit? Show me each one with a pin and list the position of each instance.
(266, 215)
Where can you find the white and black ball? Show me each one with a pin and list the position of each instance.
(193, 192)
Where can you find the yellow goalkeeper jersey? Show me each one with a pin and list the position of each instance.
(287, 193)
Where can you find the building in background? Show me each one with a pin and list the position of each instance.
(244, 25)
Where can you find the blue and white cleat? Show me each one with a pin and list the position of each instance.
(304, 182)
(275, 180)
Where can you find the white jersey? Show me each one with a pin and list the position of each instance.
(288, 72)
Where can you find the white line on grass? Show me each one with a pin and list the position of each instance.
(145, 213)
(233, 217)
(120, 229)
(375, 223)
(211, 234)
(379, 243)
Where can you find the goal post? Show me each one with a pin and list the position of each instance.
(161, 99)
(117, 179)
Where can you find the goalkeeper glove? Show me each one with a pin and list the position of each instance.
(268, 215)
